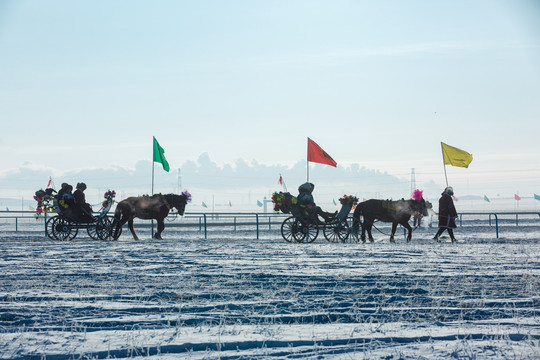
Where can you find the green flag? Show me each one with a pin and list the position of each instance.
(159, 156)
(204, 205)
(486, 198)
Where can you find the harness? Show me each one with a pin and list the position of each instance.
(170, 208)
(166, 203)
(390, 205)
(416, 227)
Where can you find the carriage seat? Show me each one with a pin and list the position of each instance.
(67, 206)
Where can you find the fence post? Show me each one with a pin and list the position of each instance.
(257, 220)
(205, 231)
(235, 223)
(16, 224)
(496, 224)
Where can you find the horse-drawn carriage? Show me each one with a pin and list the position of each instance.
(68, 221)
(304, 224)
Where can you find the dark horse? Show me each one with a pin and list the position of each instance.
(147, 207)
(396, 212)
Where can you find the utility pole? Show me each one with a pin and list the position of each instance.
(179, 181)
(413, 180)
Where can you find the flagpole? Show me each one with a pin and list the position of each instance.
(444, 166)
(283, 183)
(153, 157)
(307, 159)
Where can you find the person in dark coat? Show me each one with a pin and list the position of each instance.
(447, 214)
(305, 199)
(65, 192)
(85, 210)
(65, 197)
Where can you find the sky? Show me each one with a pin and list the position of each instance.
(379, 84)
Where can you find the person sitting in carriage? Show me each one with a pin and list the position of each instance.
(65, 195)
(305, 199)
(83, 209)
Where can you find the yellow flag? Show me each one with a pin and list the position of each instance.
(455, 157)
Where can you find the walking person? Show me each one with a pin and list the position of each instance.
(447, 214)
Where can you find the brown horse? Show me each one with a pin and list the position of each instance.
(396, 212)
(147, 207)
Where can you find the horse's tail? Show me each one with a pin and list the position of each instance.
(118, 211)
(358, 211)
(357, 224)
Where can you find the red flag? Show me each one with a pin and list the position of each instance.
(318, 155)
(516, 196)
(280, 181)
(50, 184)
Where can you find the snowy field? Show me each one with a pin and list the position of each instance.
(233, 296)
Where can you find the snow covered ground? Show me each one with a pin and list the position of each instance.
(233, 296)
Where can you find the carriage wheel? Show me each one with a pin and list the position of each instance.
(49, 227)
(307, 232)
(64, 229)
(107, 228)
(355, 230)
(117, 229)
(289, 228)
(92, 231)
(337, 231)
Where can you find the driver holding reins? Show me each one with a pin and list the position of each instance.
(305, 199)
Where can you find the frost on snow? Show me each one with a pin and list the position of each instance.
(233, 296)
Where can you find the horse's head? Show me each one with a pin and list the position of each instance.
(419, 203)
(179, 202)
(424, 207)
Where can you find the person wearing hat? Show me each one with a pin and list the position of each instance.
(447, 214)
(65, 191)
(305, 199)
(85, 210)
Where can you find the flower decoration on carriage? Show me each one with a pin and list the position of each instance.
(348, 200)
(45, 202)
(187, 195)
(283, 202)
(109, 198)
(417, 195)
(63, 204)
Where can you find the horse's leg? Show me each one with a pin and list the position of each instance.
(130, 226)
(363, 237)
(122, 219)
(406, 225)
(370, 235)
(160, 227)
(394, 227)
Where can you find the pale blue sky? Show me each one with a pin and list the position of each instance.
(378, 83)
